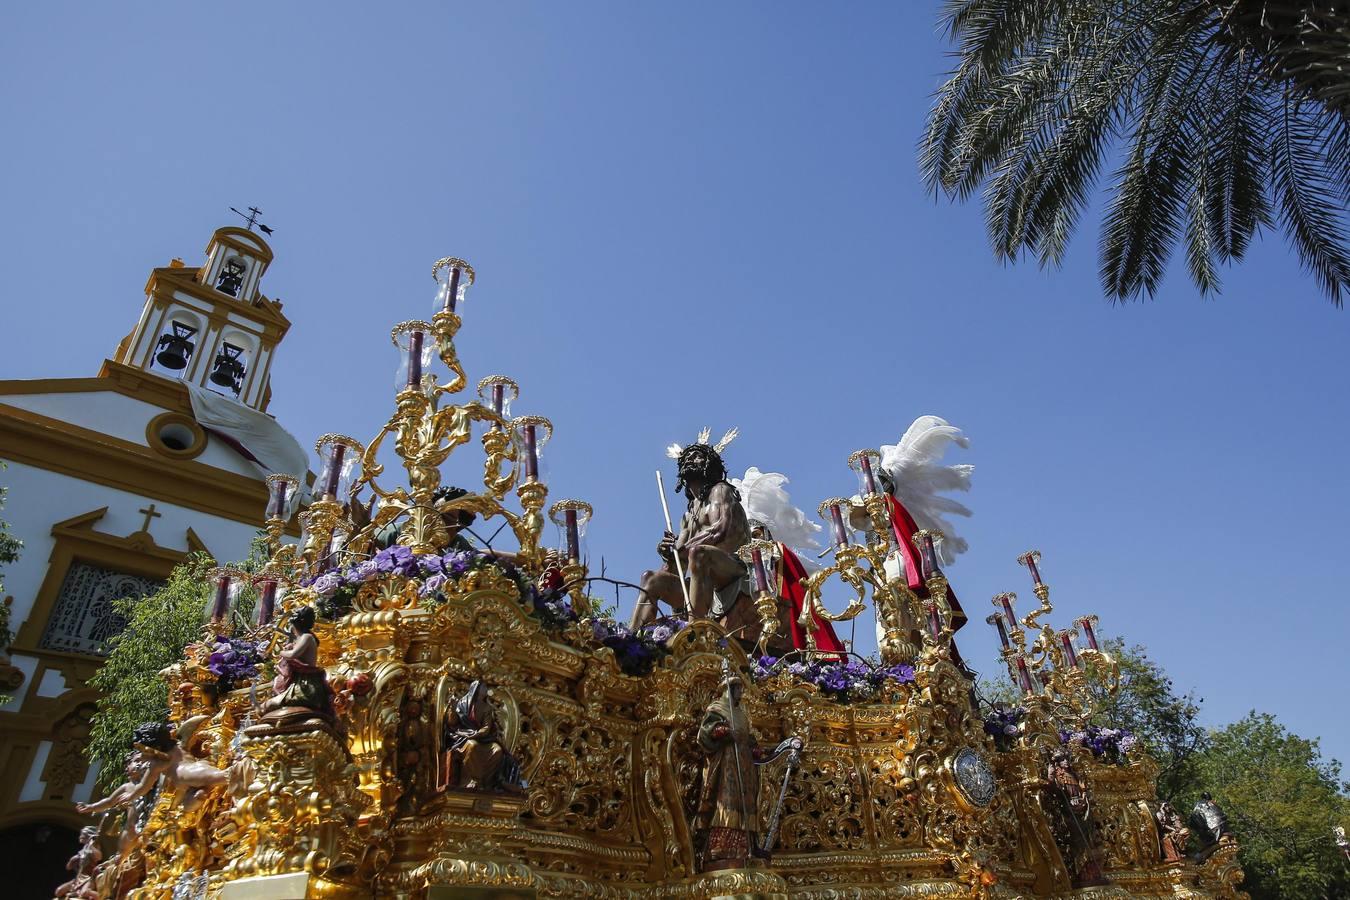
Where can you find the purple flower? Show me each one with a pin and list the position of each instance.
(432, 585)
(364, 571)
(430, 564)
(327, 584)
(661, 633)
(458, 562)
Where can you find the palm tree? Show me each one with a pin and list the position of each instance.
(1219, 118)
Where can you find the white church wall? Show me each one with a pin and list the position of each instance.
(125, 418)
(37, 499)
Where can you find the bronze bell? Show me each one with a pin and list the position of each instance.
(175, 349)
(227, 370)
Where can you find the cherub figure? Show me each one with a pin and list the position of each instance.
(164, 750)
(83, 864)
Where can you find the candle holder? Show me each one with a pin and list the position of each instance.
(834, 513)
(227, 582)
(572, 517)
(762, 558)
(865, 464)
(338, 455)
(271, 586)
(1089, 626)
(1031, 559)
(453, 276)
(281, 490)
(416, 343)
(498, 393)
(998, 622)
(532, 434)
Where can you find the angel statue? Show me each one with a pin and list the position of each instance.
(165, 753)
(913, 478)
(473, 751)
(83, 864)
(713, 528)
(773, 518)
(301, 697)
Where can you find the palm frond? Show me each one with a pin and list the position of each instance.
(1309, 198)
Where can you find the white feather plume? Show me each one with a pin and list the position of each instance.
(731, 435)
(763, 497)
(915, 467)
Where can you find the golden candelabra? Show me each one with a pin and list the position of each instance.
(440, 663)
(1051, 670)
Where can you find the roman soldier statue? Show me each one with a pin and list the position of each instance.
(773, 518)
(913, 479)
(713, 528)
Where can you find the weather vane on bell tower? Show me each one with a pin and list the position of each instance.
(251, 217)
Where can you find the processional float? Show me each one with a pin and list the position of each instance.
(410, 712)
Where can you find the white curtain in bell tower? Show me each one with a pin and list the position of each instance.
(272, 448)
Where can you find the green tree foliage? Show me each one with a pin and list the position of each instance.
(1221, 118)
(159, 627)
(1147, 704)
(9, 552)
(1282, 799)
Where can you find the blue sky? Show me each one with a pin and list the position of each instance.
(702, 214)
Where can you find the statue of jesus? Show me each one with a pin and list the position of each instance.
(712, 529)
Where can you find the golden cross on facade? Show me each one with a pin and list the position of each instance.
(149, 514)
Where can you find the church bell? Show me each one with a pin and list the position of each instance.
(228, 371)
(175, 349)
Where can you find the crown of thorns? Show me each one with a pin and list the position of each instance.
(674, 450)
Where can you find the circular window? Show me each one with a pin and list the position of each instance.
(175, 435)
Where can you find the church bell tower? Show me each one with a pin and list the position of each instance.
(211, 327)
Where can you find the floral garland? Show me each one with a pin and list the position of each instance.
(233, 660)
(1112, 745)
(851, 680)
(1003, 724)
(636, 652)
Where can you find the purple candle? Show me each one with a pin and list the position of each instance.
(1089, 632)
(868, 480)
(1070, 654)
(997, 621)
(837, 523)
(761, 577)
(267, 601)
(1035, 571)
(220, 607)
(573, 535)
(934, 620)
(498, 398)
(928, 556)
(276, 507)
(1023, 675)
(1006, 601)
(452, 293)
(415, 358)
(531, 455)
(334, 474)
